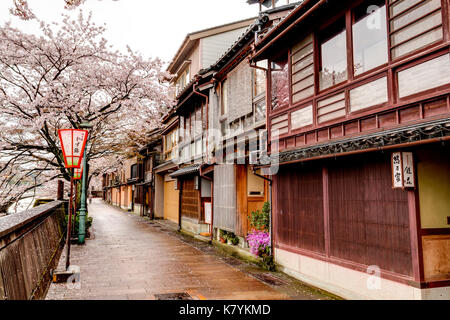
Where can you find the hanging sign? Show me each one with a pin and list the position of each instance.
(408, 170)
(208, 213)
(403, 170)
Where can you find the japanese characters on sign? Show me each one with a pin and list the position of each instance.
(408, 170)
(397, 170)
(73, 142)
(403, 170)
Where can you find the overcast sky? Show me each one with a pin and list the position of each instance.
(155, 28)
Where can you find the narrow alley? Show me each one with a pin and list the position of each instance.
(129, 257)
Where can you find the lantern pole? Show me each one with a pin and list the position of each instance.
(69, 225)
(83, 205)
(75, 207)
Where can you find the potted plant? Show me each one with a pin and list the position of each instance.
(259, 238)
(232, 239)
(223, 236)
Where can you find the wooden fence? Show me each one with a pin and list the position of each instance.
(30, 244)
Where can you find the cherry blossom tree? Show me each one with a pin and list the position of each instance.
(22, 10)
(66, 77)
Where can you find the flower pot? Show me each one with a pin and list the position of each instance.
(223, 240)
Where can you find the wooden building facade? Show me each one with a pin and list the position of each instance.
(350, 83)
(199, 51)
(237, 129)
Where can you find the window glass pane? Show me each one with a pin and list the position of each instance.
(279, 82)
(370, 38)
(333, 54)
(427, 75)
(260, 111)
(370, 94)
(259, 82)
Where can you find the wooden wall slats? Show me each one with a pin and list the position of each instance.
(300, 208)
(369, 221)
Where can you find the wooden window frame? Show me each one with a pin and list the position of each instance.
(167, 151)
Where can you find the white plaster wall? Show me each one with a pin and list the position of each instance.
(348, 283)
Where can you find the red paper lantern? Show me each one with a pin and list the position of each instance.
(73, 143)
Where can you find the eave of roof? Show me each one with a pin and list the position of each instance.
(194, 169)
(283, 26)
(193, 36)
(438, 129)
(247, 37)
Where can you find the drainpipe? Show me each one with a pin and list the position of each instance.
(212, 199)
(271, 211)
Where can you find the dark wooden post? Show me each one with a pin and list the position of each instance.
(60, 192)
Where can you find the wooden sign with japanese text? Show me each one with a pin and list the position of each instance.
(408, 170)
(403, 170)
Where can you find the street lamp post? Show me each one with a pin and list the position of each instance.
(73, 143)
(78, 172)
(83, 205)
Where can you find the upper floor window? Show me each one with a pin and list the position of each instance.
(224, 98)
(370, 48)
(333, 55)
(182, 81)
(134, 171)
(170, 143)
(259, 82)
(280, 82)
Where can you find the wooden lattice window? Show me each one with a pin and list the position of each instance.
(414, 25)
(302, 77)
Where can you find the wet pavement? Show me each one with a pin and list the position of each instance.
(130, 257)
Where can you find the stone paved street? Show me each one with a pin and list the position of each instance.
(129, 257)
